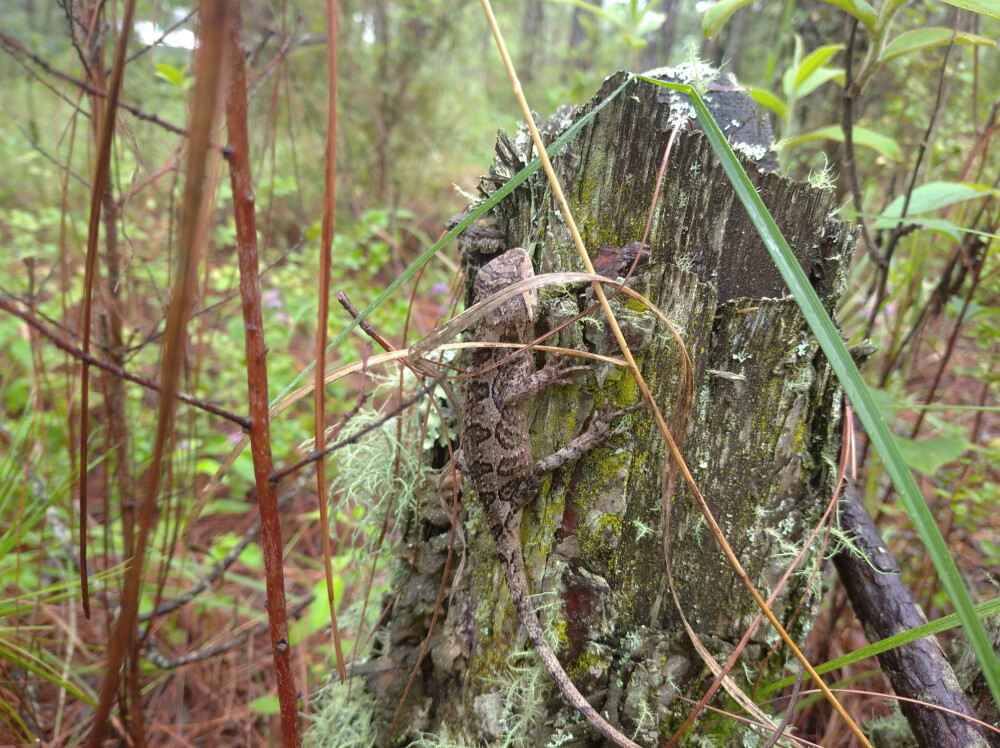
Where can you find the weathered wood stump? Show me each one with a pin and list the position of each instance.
(762, 442)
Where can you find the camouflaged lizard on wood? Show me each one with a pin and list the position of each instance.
(497, 445)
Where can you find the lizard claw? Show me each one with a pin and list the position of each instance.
(557, 370)
(608, 415)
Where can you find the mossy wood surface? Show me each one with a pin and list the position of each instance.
(762, 442)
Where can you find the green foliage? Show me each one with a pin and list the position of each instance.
(35, 572)
(927, 198)
(718, 13)
(920, 39)
(804, 74)
(174, 76)
(634, 21)
(863, 136)
(937, 205)
(989, 8)
(420, 86)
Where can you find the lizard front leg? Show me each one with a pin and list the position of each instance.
(557, 370)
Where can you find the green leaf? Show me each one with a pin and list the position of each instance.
(817, 79)
(814, 61)
(206, 466)
(932, 196)
(788, 77)
(768, 99)
(854, 386)
(243, 467)
(717, 15)
(923, 223)
(859, 9)
(918, 39)
(928, 455)
(974, 309)
(648, 22)
(879, 143)
(252, 557)
(170, 74)
(225, 506)
(266, 705)
(989, 8)
(41, 664)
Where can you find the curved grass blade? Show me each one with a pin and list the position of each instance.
(519, 178)
(855, 387)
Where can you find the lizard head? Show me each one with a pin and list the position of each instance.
(511, 321)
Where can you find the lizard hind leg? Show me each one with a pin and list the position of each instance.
(596, 432)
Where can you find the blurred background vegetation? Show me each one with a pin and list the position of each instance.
(421, 94)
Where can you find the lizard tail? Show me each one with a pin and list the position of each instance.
(534, 630)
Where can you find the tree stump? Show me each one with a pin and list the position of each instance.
(762, 441)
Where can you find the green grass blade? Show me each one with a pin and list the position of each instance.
(855, 387)
(937, 626)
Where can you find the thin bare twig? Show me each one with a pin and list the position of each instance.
(207, 653)
(276, 476)
(14, 48)
(902, 228)
(118, 371)
(218, 570)
(849, 163)
(787, 716)
(322, 320)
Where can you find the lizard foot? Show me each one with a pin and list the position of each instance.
(558, 370)
(596, 432)
(611, 415)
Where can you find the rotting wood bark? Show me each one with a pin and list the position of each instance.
(885, 607)
(762, 443)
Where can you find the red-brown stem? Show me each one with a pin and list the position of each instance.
(322, 319)
(106, 128)
(209, 71)
(256, 356)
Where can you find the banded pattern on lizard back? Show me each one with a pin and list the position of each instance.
(497, 445)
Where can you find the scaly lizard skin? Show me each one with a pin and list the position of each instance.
(497, 446)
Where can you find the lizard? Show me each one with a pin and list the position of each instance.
(497, 446)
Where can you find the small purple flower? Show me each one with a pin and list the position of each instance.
(439, 289)
(272, 298)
